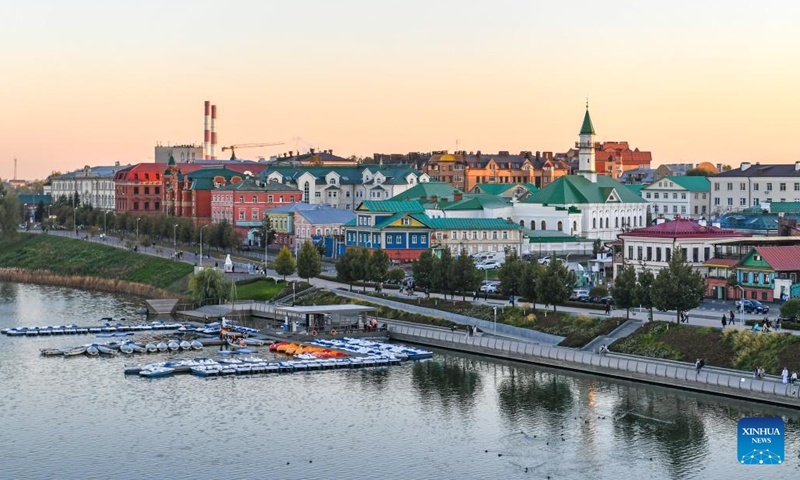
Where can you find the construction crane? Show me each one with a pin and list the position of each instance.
(233, 148)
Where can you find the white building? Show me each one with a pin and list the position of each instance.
(672, 196)
(751, 185)
(94, 185)
(607, 207)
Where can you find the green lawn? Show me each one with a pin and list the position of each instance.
(261, 289)
(67, 256)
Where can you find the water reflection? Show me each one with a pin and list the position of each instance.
(529, 392)
(450, 380)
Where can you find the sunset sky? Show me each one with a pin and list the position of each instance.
(94, 82)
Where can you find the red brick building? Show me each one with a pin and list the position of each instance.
(139, 189)
(243, 203)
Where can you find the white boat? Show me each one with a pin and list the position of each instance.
(154, 372)
(126, 348)
(92, 350)
(106, 350)
(173, 345)
(185, 345)
(162, 347)
(197, 344)
(151, 347)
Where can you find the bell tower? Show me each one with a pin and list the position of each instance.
(585, 146)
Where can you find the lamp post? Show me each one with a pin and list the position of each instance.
(495, 320)
(137, 229)
(175, 239)
(104, 223)
(74, 223)
(741, 302)
(201, 243)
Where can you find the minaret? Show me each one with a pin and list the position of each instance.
(585, 148)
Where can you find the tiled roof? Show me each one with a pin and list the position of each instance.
(721, 262)
(576, 189)
(326, 214)
(784, 207)
(781, 259)
(428, 189)
(775, 170)
(412, 206)
(471, 224)
(250, 185)
(680, 228)
(692, 184)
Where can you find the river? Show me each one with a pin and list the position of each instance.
(456, 416)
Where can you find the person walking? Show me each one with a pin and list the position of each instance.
(724, 321)
(794, 378)
(733, 318)
(698, 365)
(785, 376)
(608, 307)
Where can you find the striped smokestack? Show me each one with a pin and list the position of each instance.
(207, 132)
(213, 132)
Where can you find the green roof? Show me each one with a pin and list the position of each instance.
(470, 224)
(428, 190)
(476, 201)
(550, 236)
(495, 188)
(576, 189)
(411, 206)
(692, 184)
(784, 207)
(637, 189)
(587, 128)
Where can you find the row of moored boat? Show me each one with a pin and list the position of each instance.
(128, 348)
(72, 329)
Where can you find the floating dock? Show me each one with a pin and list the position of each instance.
(73, 329)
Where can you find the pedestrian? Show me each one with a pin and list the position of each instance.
(794, 378)
(761, 372)
(427, 292)
(785, 376)
(755, 372)
(724, 320)
(608, 308)
(697, 365)
(733, 318)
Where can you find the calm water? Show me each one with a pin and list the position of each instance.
(82, 418)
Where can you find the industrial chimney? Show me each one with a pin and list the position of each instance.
(213, 132)
(207, 132)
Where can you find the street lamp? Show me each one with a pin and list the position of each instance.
(495, 320)
(104, 223)
(175, 238)
(74, 223)
(201, 243)
(137, 229)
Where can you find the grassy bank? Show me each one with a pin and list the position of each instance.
(739, 349)
(67, 257)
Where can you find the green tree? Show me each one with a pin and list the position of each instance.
(378, 266)
(557, 283)
(511, 275)
(10, 215)
(598, 291)
(532, 275)
(344, 267)
(423, 270)
(643, 294)
(40, 211)
(441, 273)
(791, 309)
(397, 275)
(209, 286)
(284, 263)
(597, 246)
(464, 276)
(678, 286)
(624, 289)
(309, 264)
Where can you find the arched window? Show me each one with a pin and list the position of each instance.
(306, 192)
(544, 225)
(594, 223)
(616, 222)
(560, 226)
(522, 223)
(533, 224)
(607, 222)
(574, 227)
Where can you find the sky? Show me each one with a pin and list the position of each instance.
(90, 82)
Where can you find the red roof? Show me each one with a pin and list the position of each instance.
(721, 262)
(681, 228)
(781, 259)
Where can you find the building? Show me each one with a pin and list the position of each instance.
(295, 223)
(94, 185)
(607, 207)
(139, 189)
(507, 190)
(671, 197)
(181, 153)
(345, 187)
(614, 158)
(750, 185)
(651, 247)
(768, 273)
(244, 204)
(314, 158)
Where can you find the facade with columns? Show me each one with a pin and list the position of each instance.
(607, 207)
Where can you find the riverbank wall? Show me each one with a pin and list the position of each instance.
(41, 277)
(666, 373)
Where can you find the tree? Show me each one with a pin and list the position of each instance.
(423, 270)
(360, 266)
(790, 309)
(284, 263)
(699, 172)
(643, 294)
(344, 267)
(557, 283)
(40, 211)
(598, 291)
(678, 286)
(531, 279)
(624, 289)
(309, 264)
(320, 246)
(9, 212)
(511, 275)
(441, 272)
(464, 276)
(597, 246)
(397, 274)
(209, 286)
(378, 266)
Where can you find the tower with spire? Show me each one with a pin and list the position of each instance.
(585, 146)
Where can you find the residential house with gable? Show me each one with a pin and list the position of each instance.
(300, 221)
(94, 185)
(671, 197)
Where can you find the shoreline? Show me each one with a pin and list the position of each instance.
(638, 369)
(43, 277)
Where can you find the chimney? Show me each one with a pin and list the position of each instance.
(330, 152)
(478, 154)
(207, 132)
(291, 153)
(797, 165)
(213, 153)
(311, 150)
(745, 166)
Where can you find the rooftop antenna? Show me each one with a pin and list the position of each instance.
(15, 168)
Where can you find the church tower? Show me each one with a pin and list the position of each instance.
(585, 148)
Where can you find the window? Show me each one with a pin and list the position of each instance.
(730, 185)
(305, 192)
(594, 223)
(630, 252)
(763, 296)
(560, 226)
(406, 221)
(136, 190)
(782, 187)
(683, 209)
(254, 214)
(647, 195)
(658, 254)
(707, 254)
(742, 186)
(730, 202)
(674, 195)
(655, 195)
(241, 214)
(505, 235)
(649, 254)
(695, 254)
(241, 198)
(147, 190)
(755, 187)
(544, 225)
(639, 253)
(683, 196)
(769, 186)
(755, 201)
(280, 199)
(413, 239)
(797, 187)
(270, 198)
(743, 202)
(716, 186)
(674, 209)
(668, 252)
(494, 235)
(485, 235)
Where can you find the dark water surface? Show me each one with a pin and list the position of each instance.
(82, 418)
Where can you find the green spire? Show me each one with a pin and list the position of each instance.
(172, 159)
(587, 128)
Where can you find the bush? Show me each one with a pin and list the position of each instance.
(598, 291)
(756, 349)
(790, 309)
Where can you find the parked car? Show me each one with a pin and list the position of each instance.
(244, 247)
(752, 306)
(491, 265)
(584, 299)
(577, 293)
(490, 288)
(544, 260)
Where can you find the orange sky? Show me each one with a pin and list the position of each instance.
(89, 82)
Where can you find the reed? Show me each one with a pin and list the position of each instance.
(43, 277)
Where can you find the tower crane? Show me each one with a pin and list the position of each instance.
(233, 148)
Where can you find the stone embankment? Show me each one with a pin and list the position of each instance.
(667, 373)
